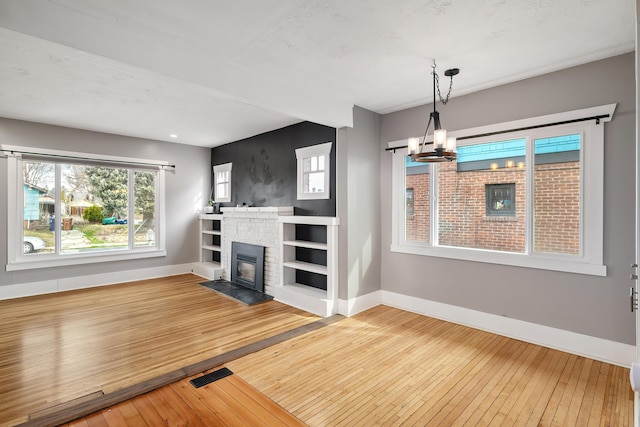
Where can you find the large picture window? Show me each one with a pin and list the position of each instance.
(82, 210)
(528, 197)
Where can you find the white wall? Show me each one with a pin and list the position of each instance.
(186, 188)
(589, 305)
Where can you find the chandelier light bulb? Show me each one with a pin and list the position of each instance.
(414, 146)
(451, 144)
(439, 138)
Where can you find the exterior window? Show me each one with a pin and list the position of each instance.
(313, 171)
(85, 211)
(501, 199)
(222, 182)
(409, 204)
(417, 179)
(526, 199)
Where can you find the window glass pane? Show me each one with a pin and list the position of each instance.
(306, 164)
(145, 207)
(321, 162)
(313, 182)
(39, 207)
(314, 163)
(463, 219)
(105, 188)
(557, 195)
(417, 225)
(221, 191)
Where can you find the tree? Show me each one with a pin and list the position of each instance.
(110, 186)
(145, 189)
(38, 173)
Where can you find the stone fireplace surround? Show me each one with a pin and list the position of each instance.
(257, 226)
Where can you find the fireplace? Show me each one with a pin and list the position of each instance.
(247, 265)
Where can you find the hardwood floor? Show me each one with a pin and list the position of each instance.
(390, 367)
(381, 367)
(227, 402)
(81, 344)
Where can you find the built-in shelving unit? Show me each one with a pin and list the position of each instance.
(322, 260)
(210, 246)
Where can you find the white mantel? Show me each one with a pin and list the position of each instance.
(280, 210)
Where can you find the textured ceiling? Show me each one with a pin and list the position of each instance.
(213, 72)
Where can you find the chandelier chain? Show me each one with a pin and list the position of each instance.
(435, 75)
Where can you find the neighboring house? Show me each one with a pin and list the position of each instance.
(37, 205)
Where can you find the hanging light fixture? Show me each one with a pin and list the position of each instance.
(444, 149)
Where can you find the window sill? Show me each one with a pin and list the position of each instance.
(43, 261)
(541, 262)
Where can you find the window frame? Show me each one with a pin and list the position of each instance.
(224, 167)
(16, 260)
(314, 151)
(489, 211)
(590, 259)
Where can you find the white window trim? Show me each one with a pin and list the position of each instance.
(225, 167)
(15, 258)
(590, 261)
(312, 151)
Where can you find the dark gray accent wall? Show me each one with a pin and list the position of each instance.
(264, 169)
(187, 190)
(590, 305)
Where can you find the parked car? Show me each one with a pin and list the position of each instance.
(31, 244)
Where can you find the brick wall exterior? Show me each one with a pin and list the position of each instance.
(462, 209)
(417, 226)
(557, 208)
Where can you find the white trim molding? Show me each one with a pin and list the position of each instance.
(20, 290)
(319, 150)
(351, 307)
(603, 350)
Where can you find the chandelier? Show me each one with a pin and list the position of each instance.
(444, 149)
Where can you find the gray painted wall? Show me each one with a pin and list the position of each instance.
(187, 189)
(358, 160)
(595, 306)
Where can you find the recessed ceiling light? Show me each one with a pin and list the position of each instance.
(173, 135)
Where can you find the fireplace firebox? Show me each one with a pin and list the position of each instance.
(247, 265)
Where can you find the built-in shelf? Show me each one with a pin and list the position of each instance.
(306, 266)
(290, 291)
(210, 246)
(305, 244)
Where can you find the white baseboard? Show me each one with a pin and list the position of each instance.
(359, 304)
(303, 297)
(90, 281)
(582, 345)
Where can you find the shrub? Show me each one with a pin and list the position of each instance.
(93, 214)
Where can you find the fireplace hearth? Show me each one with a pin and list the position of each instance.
(247, 275)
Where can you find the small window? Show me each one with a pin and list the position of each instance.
(501, 199)
(313, 171)
(222, 182)
(409, 202)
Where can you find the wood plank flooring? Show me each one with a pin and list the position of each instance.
(226, 402)
(63, 347)
(382, 367)
(390, 367)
